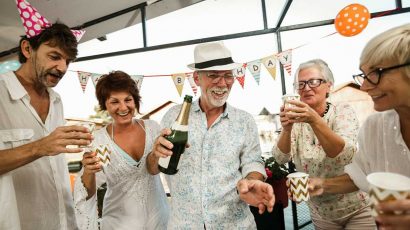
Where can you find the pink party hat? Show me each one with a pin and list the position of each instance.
(34, 23)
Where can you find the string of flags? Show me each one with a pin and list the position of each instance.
(254, 67)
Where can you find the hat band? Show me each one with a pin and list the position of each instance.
(216, 62)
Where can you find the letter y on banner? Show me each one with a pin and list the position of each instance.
(285, 59)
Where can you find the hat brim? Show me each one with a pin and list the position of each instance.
(230, 66)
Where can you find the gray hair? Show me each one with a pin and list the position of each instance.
(391, 46)
(318, 64)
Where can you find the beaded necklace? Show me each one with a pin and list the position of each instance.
(327, 109)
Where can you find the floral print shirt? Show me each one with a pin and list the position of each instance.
(203, 191)
(309, 157)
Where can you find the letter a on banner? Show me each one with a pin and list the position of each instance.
(95, 77)
(192, 82)
(179, 79)
(270, 65)
(255, 68)
(239, 74)
(83, 78)
(138, 80)
(285, 59)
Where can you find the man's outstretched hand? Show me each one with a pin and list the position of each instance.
(256, 193)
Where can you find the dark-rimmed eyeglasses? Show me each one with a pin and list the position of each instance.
(312, 83)
(215, 77)
(374, 76)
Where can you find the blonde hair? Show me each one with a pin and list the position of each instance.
(391, 46)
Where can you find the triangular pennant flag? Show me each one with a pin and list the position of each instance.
(192, 83)
(83, 78)
(33, 22)
(138, 79)
(179, 79)
(95, 77)
(285, 59)
(239, 74)
(270, 65)
(78, 34)
(255, 68)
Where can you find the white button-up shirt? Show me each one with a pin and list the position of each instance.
(42, 187)
(203, 192)
(381, 149)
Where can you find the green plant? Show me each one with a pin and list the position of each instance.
(275, 170)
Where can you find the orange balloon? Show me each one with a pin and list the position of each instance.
(352, 20)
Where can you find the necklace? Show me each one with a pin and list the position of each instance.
(327, 109)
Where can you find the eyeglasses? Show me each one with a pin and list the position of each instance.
(313, 83)
(215, 78)
(374, 76)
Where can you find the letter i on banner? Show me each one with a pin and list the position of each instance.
(179, 79)
(138, 80)
(255, 68)
(285, 59)
(270, 65)
(83, 78)
(239, 74)
(192, 82)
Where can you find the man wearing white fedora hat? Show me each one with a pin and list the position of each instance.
(222, 170)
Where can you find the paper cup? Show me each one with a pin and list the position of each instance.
(385, 187)
(289, 97)
(91, 127)
(298, 186)
(104, 154)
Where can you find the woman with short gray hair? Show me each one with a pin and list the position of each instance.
(320, 137)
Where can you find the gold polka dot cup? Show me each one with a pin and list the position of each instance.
(289, 97)
(298, 186)
(385, 187)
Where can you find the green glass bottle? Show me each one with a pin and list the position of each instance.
(179, 138)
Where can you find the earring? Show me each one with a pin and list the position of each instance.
(327, 95)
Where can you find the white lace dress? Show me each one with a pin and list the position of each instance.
(134, 198)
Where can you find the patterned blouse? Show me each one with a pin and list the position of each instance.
(309, 157)
(203, 192)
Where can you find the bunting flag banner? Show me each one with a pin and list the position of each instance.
(255, 68)
(83, 78)
(138, 80)
(78, 34)
(179, 79)
(239, 74)
(270, 65)
(192, 82)
(285, 59)
(95, 77)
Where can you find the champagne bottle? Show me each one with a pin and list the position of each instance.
(179, 138)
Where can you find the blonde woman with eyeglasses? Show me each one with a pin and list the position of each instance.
(384, 138)
(320, 138)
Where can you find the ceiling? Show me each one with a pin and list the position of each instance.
(77, 13)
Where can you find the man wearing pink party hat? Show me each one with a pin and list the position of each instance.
(34, 181)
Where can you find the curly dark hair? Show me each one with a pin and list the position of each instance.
(116, 81)
(57, 35)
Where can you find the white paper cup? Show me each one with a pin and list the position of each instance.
(91, 127)
(385, 187)
(298, 186)
(104, 154)
(289, 97)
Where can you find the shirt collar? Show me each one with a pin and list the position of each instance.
(227, 108)
(17, 90)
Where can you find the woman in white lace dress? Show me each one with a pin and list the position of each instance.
(134, 198)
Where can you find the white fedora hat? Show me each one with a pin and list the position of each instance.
(213, 56)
